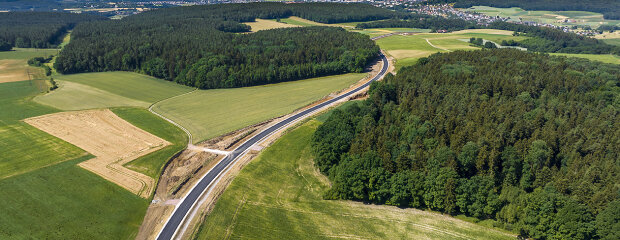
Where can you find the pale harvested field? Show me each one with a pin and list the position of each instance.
(13, 70)
(409, 53)
(111, 139)
(262, 24)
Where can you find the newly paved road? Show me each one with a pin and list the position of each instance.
(183, 209)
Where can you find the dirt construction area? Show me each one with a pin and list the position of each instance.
(112, 140)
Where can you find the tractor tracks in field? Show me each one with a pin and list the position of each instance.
(189, 135)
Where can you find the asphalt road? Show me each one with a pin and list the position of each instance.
(183, 209)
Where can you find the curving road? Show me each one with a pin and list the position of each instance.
(184, 209)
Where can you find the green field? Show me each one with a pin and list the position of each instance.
(209, 113)
(580, 17)
(45, 195)
(109, 89)
(27, 53)
(64, 201)
(23, 147)
(75, 96)
(278, 196)
(606, 58)
(152, 164)
(407, 49)
(129, 84)
(615, 41)
(294, 21)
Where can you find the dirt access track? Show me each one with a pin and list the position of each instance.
(111, 139)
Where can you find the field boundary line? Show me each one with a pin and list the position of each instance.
(429, 43)
(189, 135)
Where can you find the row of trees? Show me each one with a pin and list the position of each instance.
(526, 139)
(480, 42)
(194, 45)
(609, 8)
(421, 21)
(38, 29)
(5, 46)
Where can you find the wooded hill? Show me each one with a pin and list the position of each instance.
(609, 8)
(197, 46)
(38, 29)
(526, 139)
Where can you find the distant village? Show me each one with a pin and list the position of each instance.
(448, 11)
(122, 9)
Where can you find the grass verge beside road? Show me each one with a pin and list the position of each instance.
(279, 196)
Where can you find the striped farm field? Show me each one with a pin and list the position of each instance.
(210, 113)
(109, 89)
(45, 194)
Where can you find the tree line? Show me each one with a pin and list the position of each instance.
(526, 139)
(609, 8)
(421, 21)
(198, 45)
(37, 29)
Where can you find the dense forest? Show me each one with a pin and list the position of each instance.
(38, 29)
(198, 45)
(609, 8)
(527, 139)
(421, 21)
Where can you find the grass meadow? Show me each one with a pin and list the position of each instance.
(129, 84)
(27, 53)
(25, 148)
(64, 201)
(406, 50)
(45, 194)
(615, 41)
(279, 196)
(581, 17)
(606, 58)
(210, 113)
(109, 89)
(152, 164)
(75, 96)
